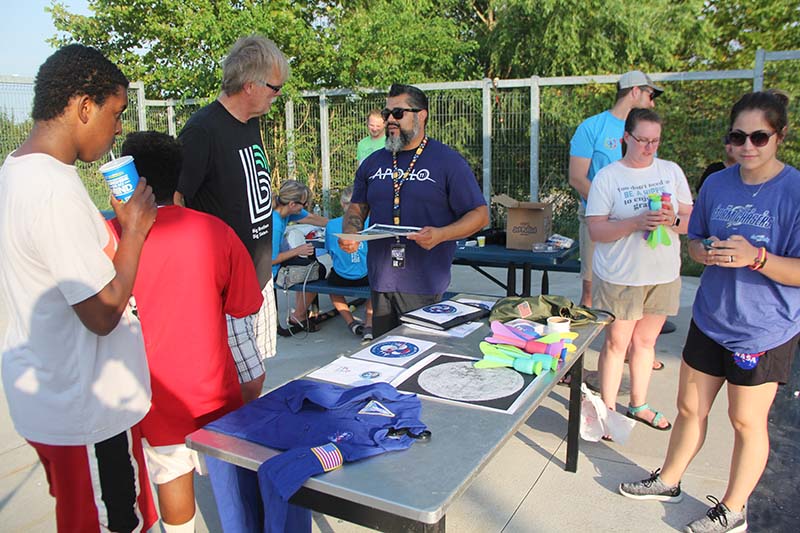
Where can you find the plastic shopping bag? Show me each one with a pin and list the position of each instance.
(597, 420)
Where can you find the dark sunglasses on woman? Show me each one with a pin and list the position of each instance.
(758, 138)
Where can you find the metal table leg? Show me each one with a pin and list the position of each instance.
(526, 279)
(574, 422)
(511, 280)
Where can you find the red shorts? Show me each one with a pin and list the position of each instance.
(100, 487)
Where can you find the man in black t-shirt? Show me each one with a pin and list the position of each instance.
(226, 173)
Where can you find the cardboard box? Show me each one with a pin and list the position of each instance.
(527, 222)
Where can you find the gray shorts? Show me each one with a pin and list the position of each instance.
(254, 338)
(585, 245)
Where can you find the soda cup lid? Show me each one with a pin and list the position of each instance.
(116, 163)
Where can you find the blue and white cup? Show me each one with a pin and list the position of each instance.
(121, 177)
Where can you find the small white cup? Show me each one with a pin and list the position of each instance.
(481, 241)
(557, 324)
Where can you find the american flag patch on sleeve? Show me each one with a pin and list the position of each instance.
(329, 456)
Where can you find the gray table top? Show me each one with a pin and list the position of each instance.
(419, 483)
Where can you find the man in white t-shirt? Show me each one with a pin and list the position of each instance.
(74, 368)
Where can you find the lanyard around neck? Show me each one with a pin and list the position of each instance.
(398, 180)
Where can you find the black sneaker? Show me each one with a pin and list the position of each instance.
(356, 327)
(652, 488)
(367, 337)
(719, 519)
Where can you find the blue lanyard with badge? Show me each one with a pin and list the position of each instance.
(398, 248)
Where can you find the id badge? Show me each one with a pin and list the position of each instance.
(398, 255)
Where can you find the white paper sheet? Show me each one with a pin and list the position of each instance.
(459, 331)
(355, 372)
(394, 350)
(442, 312)
(378, 231)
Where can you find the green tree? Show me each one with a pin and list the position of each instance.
(176, 46)
(520, 38)
(383, 41)
(743, 26)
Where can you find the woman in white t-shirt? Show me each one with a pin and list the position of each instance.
(638, 281)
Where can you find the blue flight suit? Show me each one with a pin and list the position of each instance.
(317, 423)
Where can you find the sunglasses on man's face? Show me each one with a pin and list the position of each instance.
(398, 112)
(650, 92)
(758, 138)
(275, 88)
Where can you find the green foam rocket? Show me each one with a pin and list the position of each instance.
(658, 235)
(499, 355)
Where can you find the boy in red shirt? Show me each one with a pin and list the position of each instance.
(193, 270)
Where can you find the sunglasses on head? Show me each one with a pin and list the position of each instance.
(398, 112)
(758, 138)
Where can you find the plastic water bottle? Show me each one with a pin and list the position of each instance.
(317, 210)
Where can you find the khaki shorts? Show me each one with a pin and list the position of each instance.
(585, 245)
(165, 463)
(628, 302)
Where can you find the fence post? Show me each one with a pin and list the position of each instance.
(325, 149)
(535, 123)
(289, 113)
(141, 105)
(758, 70)
(171, 128)
(486, 98)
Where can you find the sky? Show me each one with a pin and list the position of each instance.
(24, 26)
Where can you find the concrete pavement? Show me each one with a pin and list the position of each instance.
(524, 487)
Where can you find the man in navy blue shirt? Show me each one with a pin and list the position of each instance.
(416, 181)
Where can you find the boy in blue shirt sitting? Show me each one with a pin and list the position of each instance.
(349, 270)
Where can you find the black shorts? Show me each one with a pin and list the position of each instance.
(338, 281)
(704, 355)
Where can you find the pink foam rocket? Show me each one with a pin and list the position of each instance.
(502, 334)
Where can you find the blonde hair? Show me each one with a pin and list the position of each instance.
(293, 191)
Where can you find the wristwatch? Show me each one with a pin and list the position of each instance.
(677, 222)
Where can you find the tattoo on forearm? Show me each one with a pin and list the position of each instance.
(355, 217)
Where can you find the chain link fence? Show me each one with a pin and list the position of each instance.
(513, 133)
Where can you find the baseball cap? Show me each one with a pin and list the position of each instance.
(637, 78)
